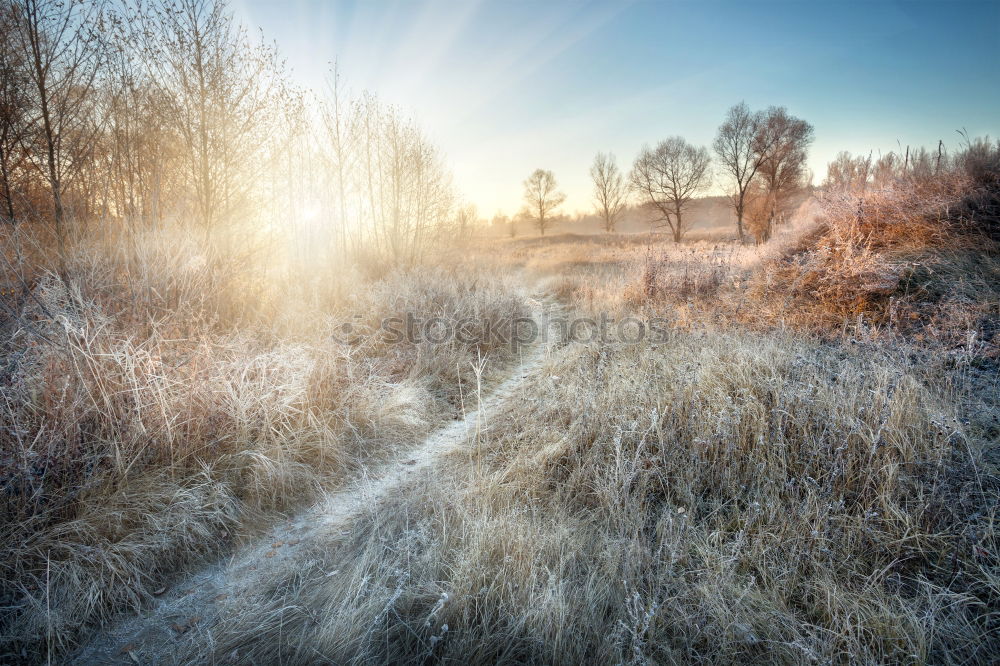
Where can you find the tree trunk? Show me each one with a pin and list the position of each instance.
(8, 197)
(53, 175)
(739, 220)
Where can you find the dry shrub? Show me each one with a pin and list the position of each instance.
(121, 462)
(173, 274)
(894, 256)
(485, 304)
(979, 160)
(679, 275)
(719, 499)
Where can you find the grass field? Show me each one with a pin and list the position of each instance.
(802, 468)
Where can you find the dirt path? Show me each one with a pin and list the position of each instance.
(191, 605)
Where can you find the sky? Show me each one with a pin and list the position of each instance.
(505, 87)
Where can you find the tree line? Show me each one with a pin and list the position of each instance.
(760, 160)
(137, 114)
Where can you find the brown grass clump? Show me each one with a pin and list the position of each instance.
(719, 499)
(918, 256)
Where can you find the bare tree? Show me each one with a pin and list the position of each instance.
(387, 186)
(340, 152)
(667, 177)
(740, 153)
(784, 142)
(418, 196)
(219, 88)
(542, 197)
(294, 185)
(137, 151)
(62, 47)
(610, 190)
(14, 110)
(465, 219)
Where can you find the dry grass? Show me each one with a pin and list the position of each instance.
(805, 471)
(648, 272)
(729, 496)
(716, 499)
(181, 401)
(917, 256)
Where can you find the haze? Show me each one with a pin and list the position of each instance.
(507, 87)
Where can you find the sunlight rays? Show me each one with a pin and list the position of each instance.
(447, 71)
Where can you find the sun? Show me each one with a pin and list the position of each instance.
(311, 212)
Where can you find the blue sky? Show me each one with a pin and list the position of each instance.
(506, 87)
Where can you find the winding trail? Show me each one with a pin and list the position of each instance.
(191, 605)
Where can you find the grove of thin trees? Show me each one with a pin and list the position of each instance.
(760, 155)
(137, 114)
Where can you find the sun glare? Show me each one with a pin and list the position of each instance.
(311, 212)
